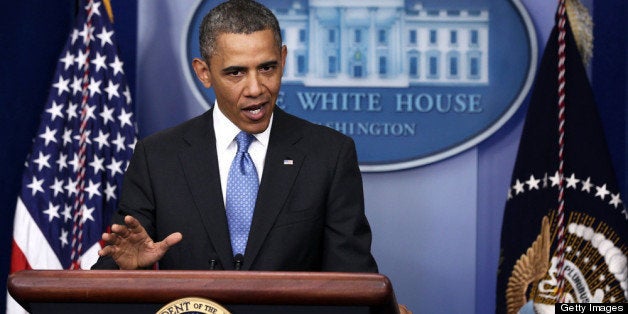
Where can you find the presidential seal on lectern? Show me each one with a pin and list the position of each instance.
(192, 305)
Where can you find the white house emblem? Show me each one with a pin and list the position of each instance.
(412, 82)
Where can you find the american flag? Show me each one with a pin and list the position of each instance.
(86, 137)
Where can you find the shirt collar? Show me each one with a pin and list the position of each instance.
(226, 131)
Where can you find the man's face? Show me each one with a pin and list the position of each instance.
(245, 72)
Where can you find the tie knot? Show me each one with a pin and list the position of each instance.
(244, 140)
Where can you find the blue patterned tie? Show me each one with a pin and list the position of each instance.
(242, 187)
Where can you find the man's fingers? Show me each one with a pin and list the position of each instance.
(110, 238)
(120, 230)
(131, 222)
(107, 237)
(133, 225)
(172, 239)
(106, 251)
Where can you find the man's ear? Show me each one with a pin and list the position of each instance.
(284, 53)
(202, 72)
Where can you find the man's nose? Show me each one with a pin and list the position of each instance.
(253, 86)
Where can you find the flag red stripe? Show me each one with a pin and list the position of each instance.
(18, 259)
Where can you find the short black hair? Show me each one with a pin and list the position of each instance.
(236, 17)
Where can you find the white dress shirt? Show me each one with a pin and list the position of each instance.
(226, 146)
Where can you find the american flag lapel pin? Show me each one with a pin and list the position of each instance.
(288, 162)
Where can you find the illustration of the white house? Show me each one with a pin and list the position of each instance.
(383, 43)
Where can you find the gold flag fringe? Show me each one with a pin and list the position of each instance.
(107, 4)
(582, 28)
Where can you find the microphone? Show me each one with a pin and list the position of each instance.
(214, 261)
(238, 259)
(212, 264)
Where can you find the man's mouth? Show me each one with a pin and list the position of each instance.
(254, 112)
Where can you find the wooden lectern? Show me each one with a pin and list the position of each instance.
(147, 291)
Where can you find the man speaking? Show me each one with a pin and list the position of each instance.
(245, 185)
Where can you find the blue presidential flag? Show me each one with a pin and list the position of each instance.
(73, 175)
(565, 225)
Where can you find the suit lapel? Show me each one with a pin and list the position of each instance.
(283, 162)
(200, 165)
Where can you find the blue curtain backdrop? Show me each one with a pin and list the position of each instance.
(32, 34)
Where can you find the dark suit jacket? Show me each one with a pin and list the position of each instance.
(309, 215)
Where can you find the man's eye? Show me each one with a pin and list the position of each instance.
(235, 73)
